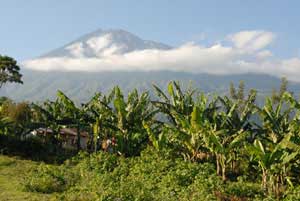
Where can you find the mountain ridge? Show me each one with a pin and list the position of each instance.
(119, 37)
(80, 86)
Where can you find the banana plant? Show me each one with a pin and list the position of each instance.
(71, 115)
(276, 118)
(47, 116)
(275, 161)
(235, 119)
(276, 147)
(221, 143)
(189, 130)
(157, 136)
(176, 100)
(228, 131)
(98, 112)
(127, 117)
(179, 107)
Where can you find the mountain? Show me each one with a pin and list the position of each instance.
(102, 42)
(81, 85)
(39, 85)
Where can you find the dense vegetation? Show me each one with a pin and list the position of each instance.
(181, 144)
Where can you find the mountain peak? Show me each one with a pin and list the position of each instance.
(103, 43)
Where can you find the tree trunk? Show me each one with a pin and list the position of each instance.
(224, 173)
(234, 163)
(277, 193)
(264, 180)
(218, 165)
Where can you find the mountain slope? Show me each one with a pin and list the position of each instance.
(40, 86)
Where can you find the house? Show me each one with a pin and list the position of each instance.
(67, 136)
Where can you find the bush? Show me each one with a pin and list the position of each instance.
(243, 189)
(150, 176)
(49, 179)
(292, 194)
(99, 163)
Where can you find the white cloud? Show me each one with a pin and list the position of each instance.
(252, 40)
(246, 55)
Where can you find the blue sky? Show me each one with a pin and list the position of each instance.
(32, 27)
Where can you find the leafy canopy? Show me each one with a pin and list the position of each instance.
(9, 71)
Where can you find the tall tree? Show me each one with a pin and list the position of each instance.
(9, 71)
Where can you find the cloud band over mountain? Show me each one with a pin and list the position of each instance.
(244, 52)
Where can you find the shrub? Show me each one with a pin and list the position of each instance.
(49, 179)
(100, 162)
(292, 194)
(150, 176)
(243, 189)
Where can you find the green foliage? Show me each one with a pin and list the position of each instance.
(9, 71)
(12, 171)
(292, 194)
(244, 189)
(49, 179)
(18, 116)
(151, 176)
(147, 177)
(199, 147)
(97, 162)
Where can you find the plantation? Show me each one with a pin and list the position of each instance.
(179, 145)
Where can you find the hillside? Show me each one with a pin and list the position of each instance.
(80, 86)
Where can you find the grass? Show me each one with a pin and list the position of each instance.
(103, 176)
(12, 171)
